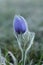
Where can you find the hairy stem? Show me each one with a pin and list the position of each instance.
(23, 61)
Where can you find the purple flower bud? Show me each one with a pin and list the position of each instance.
(19, 24)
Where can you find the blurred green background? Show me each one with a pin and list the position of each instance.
(32, 11)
